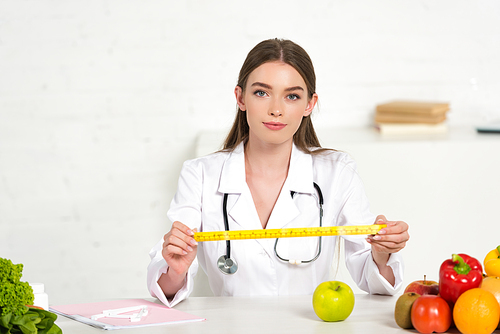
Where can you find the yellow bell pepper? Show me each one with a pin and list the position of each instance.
(492, 263)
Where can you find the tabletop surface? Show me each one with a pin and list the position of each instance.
(278, 314)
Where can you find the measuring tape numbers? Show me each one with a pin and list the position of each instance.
(288, 232)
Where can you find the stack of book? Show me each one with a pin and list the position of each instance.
(411, 117)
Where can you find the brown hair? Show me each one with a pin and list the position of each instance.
(292, 54)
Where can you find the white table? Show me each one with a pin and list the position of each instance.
(283, 314)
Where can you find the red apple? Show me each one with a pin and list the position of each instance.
(424, 287)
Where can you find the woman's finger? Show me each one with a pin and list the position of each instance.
(180, 237)
(394, 227)
(172, 249)
(396, 238)
(179, 241)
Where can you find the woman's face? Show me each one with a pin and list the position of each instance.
(275, 100)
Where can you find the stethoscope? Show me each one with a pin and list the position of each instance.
(229, 266)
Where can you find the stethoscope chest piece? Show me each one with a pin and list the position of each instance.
(227, 265)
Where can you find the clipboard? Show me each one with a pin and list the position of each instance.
(156, 314)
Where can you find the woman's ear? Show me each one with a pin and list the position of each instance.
(310, 105)
(238, 93)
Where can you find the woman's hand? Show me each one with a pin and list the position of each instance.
(179, 248)
(390, 239)
(179, 251)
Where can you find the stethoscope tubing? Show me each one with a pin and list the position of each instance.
(229, 266)
(320, 200)
(226, 225)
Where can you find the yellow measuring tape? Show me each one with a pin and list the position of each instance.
(288, 232)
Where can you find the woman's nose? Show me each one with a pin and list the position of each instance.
(276, 109)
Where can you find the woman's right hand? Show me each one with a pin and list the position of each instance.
(179, 248)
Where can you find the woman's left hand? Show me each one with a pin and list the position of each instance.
(390, 239)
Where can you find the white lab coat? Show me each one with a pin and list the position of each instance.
(198, 204)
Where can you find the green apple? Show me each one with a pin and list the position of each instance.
(333, 301)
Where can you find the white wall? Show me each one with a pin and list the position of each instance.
(101, 101)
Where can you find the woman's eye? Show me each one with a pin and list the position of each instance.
(293, 97)
(260, 93)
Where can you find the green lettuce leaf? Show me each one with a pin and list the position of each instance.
(34, 321)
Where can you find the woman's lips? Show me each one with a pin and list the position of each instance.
(274, 125)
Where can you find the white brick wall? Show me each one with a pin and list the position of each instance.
(101, 101)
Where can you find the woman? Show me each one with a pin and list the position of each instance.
(269, 169)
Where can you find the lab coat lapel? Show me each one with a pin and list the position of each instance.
(240, 205)
(244, 213)
(300, 181)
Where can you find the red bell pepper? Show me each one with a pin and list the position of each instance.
(458, 275)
